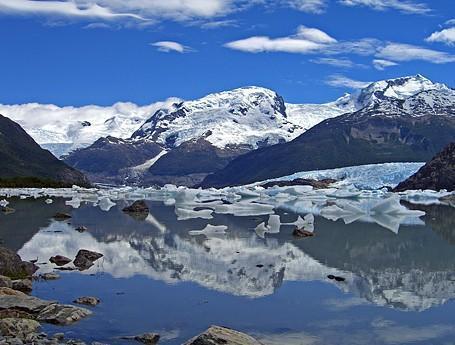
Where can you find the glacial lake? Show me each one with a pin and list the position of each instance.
(399, 286)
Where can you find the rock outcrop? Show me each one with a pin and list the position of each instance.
(217, 335)
(437, 174)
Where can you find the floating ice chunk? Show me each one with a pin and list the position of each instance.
(75, 202)
(4, 203)
(169, 202)
(48, 201)
(106, 204)
(245, 209)
(274, 224)
(261, 230)
(345, 193)
(210, 230)
(184, 214)
(23, 197)
(392, 206)
(306, 222)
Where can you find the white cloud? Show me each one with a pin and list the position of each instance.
(260, 44)
(338, 80)
(406, 52)
(113, 9)
(314, 35)
(219, 24)
(63, 8)
(310, 6)
(405, 6)
(381, 65)
(341, 62)
(170, 46)
(305, 41)
(446, 36)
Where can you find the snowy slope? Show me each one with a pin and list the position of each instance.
(62, 129)
(248, 116)
(251, 116)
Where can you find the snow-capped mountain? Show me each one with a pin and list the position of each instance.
(405, 119)
(62, 129)
(251, 116)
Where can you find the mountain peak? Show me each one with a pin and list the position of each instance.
(397, 88)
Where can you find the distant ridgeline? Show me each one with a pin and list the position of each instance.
(250, 134)
(23, 163)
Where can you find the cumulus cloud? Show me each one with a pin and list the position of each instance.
(405, 6)
(381, 65)
(338, 80)
(170, 46)
(400, 52)
(306, 40)
(446, 36)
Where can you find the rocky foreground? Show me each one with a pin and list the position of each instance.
(21, 315)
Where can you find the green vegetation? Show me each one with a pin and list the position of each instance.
(31, 182)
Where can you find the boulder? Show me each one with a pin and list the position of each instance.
(60, 314)
(302, 233)
(87, 300)
(19, 328)
(11, 265)
(16, 300)
(217, 335)
(6, 282)
(81, 229)
(85, 259)
(24, 285)
(138, 209)
(7, 210)
(60, 260)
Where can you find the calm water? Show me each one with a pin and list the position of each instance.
(399, 288)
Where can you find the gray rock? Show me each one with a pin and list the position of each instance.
(5, 282)
(60, 260)
(11, 265)
(24, 285)
(62, 216)
(7, 210)
(217, 335)
(60, 314)
(85, 259)
(49, 276)
(16, 300)
(87, 300)
(146, 338)
(19, 328)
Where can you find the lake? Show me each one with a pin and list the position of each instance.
(398, 288)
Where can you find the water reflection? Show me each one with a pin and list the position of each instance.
(409, 270)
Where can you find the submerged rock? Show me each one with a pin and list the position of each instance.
(85, 259)
(60, 260)
(7, 210)
(217, 335)
(87, 300)
(11, 265)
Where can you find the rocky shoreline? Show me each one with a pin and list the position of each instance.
(21, 315)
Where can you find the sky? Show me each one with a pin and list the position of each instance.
(81, 52)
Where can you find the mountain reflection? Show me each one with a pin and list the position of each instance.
(411, 270)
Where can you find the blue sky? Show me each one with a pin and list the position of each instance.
(102, 51)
